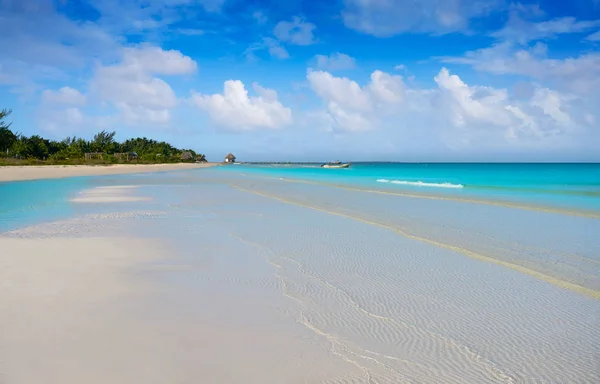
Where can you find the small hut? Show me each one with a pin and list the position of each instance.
(125, 156)
(94, 155)
(230, 158)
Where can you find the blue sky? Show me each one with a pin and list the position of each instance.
(454, 80)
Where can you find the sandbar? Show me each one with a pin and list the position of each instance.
(17, 173)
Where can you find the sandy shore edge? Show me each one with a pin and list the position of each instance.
(18, 173)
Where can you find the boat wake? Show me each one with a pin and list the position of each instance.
(421, 183)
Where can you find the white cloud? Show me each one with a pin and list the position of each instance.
(260, 17)
(61, 121)
(155, 60)
(522, 31)
(297, 31)
(399, 67)
(272, 46)
(577, 74)
(235, 110)
(335, 62)
(386, 88)
(351, 107)
(340, 90)
(132, 87)
(385, 18)
(461, 115)
(483, 108)
(551, 102)
(594, 36)
(468, 104)
(65, 96)
(59, 111)
(275, 49)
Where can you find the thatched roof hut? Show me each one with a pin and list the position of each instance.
(230, 158)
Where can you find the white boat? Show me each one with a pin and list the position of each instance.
(336, 164)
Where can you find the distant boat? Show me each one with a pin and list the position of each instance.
(336, 164)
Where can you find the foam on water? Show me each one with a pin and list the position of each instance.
(420, 183)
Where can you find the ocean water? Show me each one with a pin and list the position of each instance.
(30, 202)
(564, 186)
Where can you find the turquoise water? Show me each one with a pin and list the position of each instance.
(24, 203)
(569, 186)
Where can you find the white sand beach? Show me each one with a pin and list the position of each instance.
(84, 309)
(15, 173)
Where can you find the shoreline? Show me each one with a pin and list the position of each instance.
(36, 172)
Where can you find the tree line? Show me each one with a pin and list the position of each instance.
(15, 145)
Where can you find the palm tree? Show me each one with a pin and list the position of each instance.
(7, 137)
(3, 114)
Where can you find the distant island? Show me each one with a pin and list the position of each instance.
(18, 149)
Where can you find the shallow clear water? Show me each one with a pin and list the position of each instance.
(29, 202)
(569, 186)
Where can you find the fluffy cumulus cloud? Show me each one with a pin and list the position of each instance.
(385, 18)
(561, 92)
(479, 110)
(60, 111)
(472, 104)
(58, 121)
(475, 109)
(351, 107)
(132, 86)
(235, 110)
(63, 96)
(461, 114)
(335, 62)
(297, 31)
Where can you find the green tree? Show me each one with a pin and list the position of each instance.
(21, 147)
(38, 147)
(104, 142)
(7, 137)
(74, 147)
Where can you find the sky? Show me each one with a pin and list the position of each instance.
(384, 80)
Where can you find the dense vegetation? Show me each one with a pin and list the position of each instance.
(16, 148)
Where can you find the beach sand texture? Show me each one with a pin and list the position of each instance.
(15, 173)
(206, 277)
